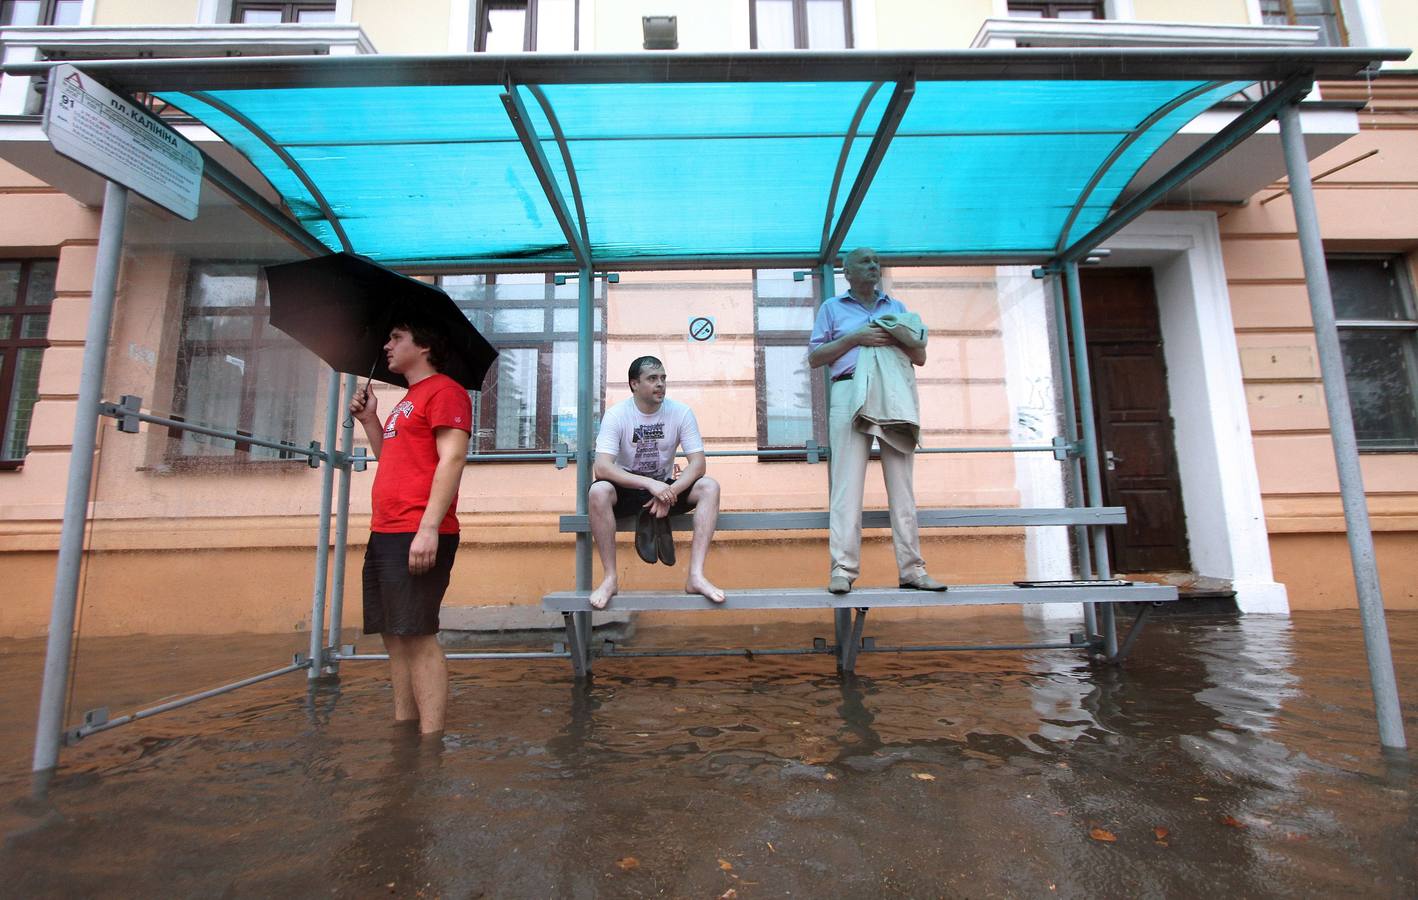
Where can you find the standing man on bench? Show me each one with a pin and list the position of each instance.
(844, 326)
(634, 472)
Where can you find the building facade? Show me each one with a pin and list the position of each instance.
(1199, 337)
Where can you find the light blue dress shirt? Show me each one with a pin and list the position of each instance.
(842, 315)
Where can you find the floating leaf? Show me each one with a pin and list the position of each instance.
(770, 847)
(923, 776)
(1102, 834)
(628, 864)
(730, 894)
(725, 865)
(1232, 822)
(1160, 833)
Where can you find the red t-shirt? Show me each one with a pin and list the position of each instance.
(409, 456)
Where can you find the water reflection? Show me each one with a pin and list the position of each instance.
(1229, 754)
(394, 827)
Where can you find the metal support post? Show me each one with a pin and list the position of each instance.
(1341, 429)
(1084, 382)
(826, 280)
(1070, 426)
(585, 387)
(49, 730)
(342, 526)
(322, 535)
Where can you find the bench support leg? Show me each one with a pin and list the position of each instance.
(1109, 622)
(841, 628)
(1121, 653)
(852, 640)
(578, 642)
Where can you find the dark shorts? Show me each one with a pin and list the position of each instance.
(396, 602)
(629, 501)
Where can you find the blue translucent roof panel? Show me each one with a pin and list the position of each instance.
(703, 169)
(998, 167)
(684, 158)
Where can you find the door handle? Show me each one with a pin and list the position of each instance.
(1110, 460)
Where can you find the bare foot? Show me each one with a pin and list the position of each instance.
(698, 584)
(602, 595)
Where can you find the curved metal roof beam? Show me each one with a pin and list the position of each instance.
(565, 158)
(522, 124)
(241, 119)
(842, 160)
(1240, 128)
(1118, 151)
(885, 131)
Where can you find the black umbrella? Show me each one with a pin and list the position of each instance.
(341, 307)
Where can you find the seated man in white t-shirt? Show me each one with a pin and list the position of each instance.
(635, 454)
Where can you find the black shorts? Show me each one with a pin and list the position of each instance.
(396, 602)
(630, 501)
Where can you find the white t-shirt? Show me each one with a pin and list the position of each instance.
(645, 444)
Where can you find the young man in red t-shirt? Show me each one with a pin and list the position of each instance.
(422, 448)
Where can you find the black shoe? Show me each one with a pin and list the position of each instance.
(664, 541)
(645, 536)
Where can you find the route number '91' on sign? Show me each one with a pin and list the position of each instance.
(121, 141)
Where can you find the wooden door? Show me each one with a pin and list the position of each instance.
(1134, 420)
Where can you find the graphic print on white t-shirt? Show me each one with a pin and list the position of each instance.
(648, 458)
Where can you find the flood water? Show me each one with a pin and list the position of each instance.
(1231, 756)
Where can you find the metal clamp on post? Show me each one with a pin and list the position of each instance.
(127, 413)
(563, 455)
(814, 452)
(1065, 449)
(315, 457)
(355, 460)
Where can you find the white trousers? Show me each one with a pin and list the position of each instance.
(850, 451)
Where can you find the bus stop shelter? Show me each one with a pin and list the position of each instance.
(593, 163)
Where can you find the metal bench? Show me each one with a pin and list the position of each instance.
(848, 640)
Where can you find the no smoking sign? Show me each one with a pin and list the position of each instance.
(701, 328)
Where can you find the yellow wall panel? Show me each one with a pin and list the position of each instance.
(409, 26)
(1207, 12)
(145, 12)
(1401, 28)
(929, 24)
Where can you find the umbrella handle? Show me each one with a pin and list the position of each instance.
(349, 416)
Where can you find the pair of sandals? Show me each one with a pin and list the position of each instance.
(654, 542)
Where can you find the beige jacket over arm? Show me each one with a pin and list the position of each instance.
(884, 399)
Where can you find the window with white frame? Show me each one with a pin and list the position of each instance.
(1324, 14)
(512, 26)
(800, 24)
(1378, 331)
(529, 399)
(235, 371)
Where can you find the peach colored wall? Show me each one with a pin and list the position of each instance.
(240, 537)
(1280, 366)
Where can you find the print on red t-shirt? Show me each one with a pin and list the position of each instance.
(409, 456)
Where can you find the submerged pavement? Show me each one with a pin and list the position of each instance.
(1230, 756)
